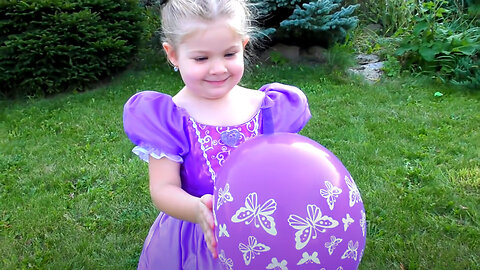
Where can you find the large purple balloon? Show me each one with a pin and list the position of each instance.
(283, 201)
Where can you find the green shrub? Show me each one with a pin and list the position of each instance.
(151, 52)
(471, 7)
(306, 22)
(392, 67)
(442, 44)
(391, 14)
(152, 25)
(394, 15)
(467, 72)
(51, 46)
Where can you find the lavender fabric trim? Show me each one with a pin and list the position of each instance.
(144, 154)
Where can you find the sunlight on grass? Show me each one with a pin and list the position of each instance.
(73, 196)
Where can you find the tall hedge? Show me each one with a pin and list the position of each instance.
(50, 46)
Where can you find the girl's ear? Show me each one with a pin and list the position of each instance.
(245, 41)
(171, 54)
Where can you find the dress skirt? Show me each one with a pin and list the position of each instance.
(174, 244)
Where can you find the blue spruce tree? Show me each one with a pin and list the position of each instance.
(306, 22)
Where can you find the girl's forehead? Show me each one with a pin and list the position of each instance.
(211, 43)
(203, 29)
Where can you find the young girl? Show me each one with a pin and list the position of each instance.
(186, 138)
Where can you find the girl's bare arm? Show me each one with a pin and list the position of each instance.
(168, 196)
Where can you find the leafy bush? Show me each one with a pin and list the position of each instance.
(339, 58)
(391, 14)
(392, 67)
(469, 6)
(306, 22)
(467, 72)
(50, 46)
(369, 41)
(394, 15)
(443, 44)
(150, 53)
(153, 25)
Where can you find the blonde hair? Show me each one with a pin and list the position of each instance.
(175, 14)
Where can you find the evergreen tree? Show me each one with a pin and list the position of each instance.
(306, 22)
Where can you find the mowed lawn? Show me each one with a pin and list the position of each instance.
(73, 196)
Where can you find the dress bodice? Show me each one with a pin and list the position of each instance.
(210, 147)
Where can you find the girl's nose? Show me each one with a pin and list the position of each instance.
(218, 67)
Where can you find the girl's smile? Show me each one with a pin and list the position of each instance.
(217, 82)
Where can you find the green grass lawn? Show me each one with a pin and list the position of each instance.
(73, 196)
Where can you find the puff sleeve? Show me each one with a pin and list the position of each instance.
(288, 105)
(156, 126)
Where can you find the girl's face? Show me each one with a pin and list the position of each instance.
(210, 60)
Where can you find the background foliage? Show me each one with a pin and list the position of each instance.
(298, 22)
(51, 46)
(306, 22)
(436, 38)
(391, 14)
(442, 42)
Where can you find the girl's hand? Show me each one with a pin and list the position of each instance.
(205, 219)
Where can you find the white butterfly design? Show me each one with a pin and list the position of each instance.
(307, 229)
(253, 248)
(351, 252)
(260, 214)
(275, 264)
(224, 195)
(363, 222)
(331, 193)
(309, 258)
(222, 230)
(227, 262)
(353, 194)
(347, 220)
(332, 244)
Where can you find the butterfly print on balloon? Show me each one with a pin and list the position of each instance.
(259, 214)
(363, 222)
(331, 193)
(252, 249)
(222, 231)
(309, 258)
(307, 228)
(351, 252)
(332, 244)
(353, 194)
(224, 195)
(347, 220)
(227, 262)
(275, 264)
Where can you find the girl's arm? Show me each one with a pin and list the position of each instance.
(168, 196)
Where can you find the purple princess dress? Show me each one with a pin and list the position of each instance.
(159, 129)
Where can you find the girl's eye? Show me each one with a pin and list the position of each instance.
(200, 59)
(230, 54)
